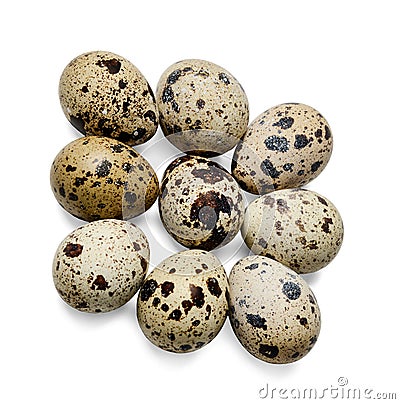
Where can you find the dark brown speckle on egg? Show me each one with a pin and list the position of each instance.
(184, 308)
(95, 270)
(111, 110)
(208, 122)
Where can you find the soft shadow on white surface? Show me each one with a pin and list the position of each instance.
(249, 361)
(170, 359)
(230, 343)
(97, 320)
(312, 279)
(162, 245)
(71, 132)
(158, 355)
(70, 220)
(230, 254)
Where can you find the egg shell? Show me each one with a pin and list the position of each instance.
(183, 302)
(101, 265)
(297, 227)
(203, 108)
(287, 146)
(104, 94)
(201, 205)
(100, 178)
(273, 312)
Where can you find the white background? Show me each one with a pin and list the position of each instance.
(340, 57)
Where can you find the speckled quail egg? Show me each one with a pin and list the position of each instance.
(183, 302)
(285, 147)
(100, 178)
(201, 205)
(297, 227)
(203, 108)
(101, 265)
(104, 94)
(273, 312)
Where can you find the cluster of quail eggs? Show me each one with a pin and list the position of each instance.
(203, 111)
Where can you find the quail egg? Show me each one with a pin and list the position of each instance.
(104, 94)
(183, 302)
(101, 265)
(285, 147)
(273, 312)
(203, 108)
(201, 205)
(100, 178)
(297, 227)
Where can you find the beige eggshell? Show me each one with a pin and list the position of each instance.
(273, 312)
(297, 227)
(287, 146)
(100, 178)
(104, 94)
(201, 205)
(203, 108)
(101, 265)
(183, 302)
